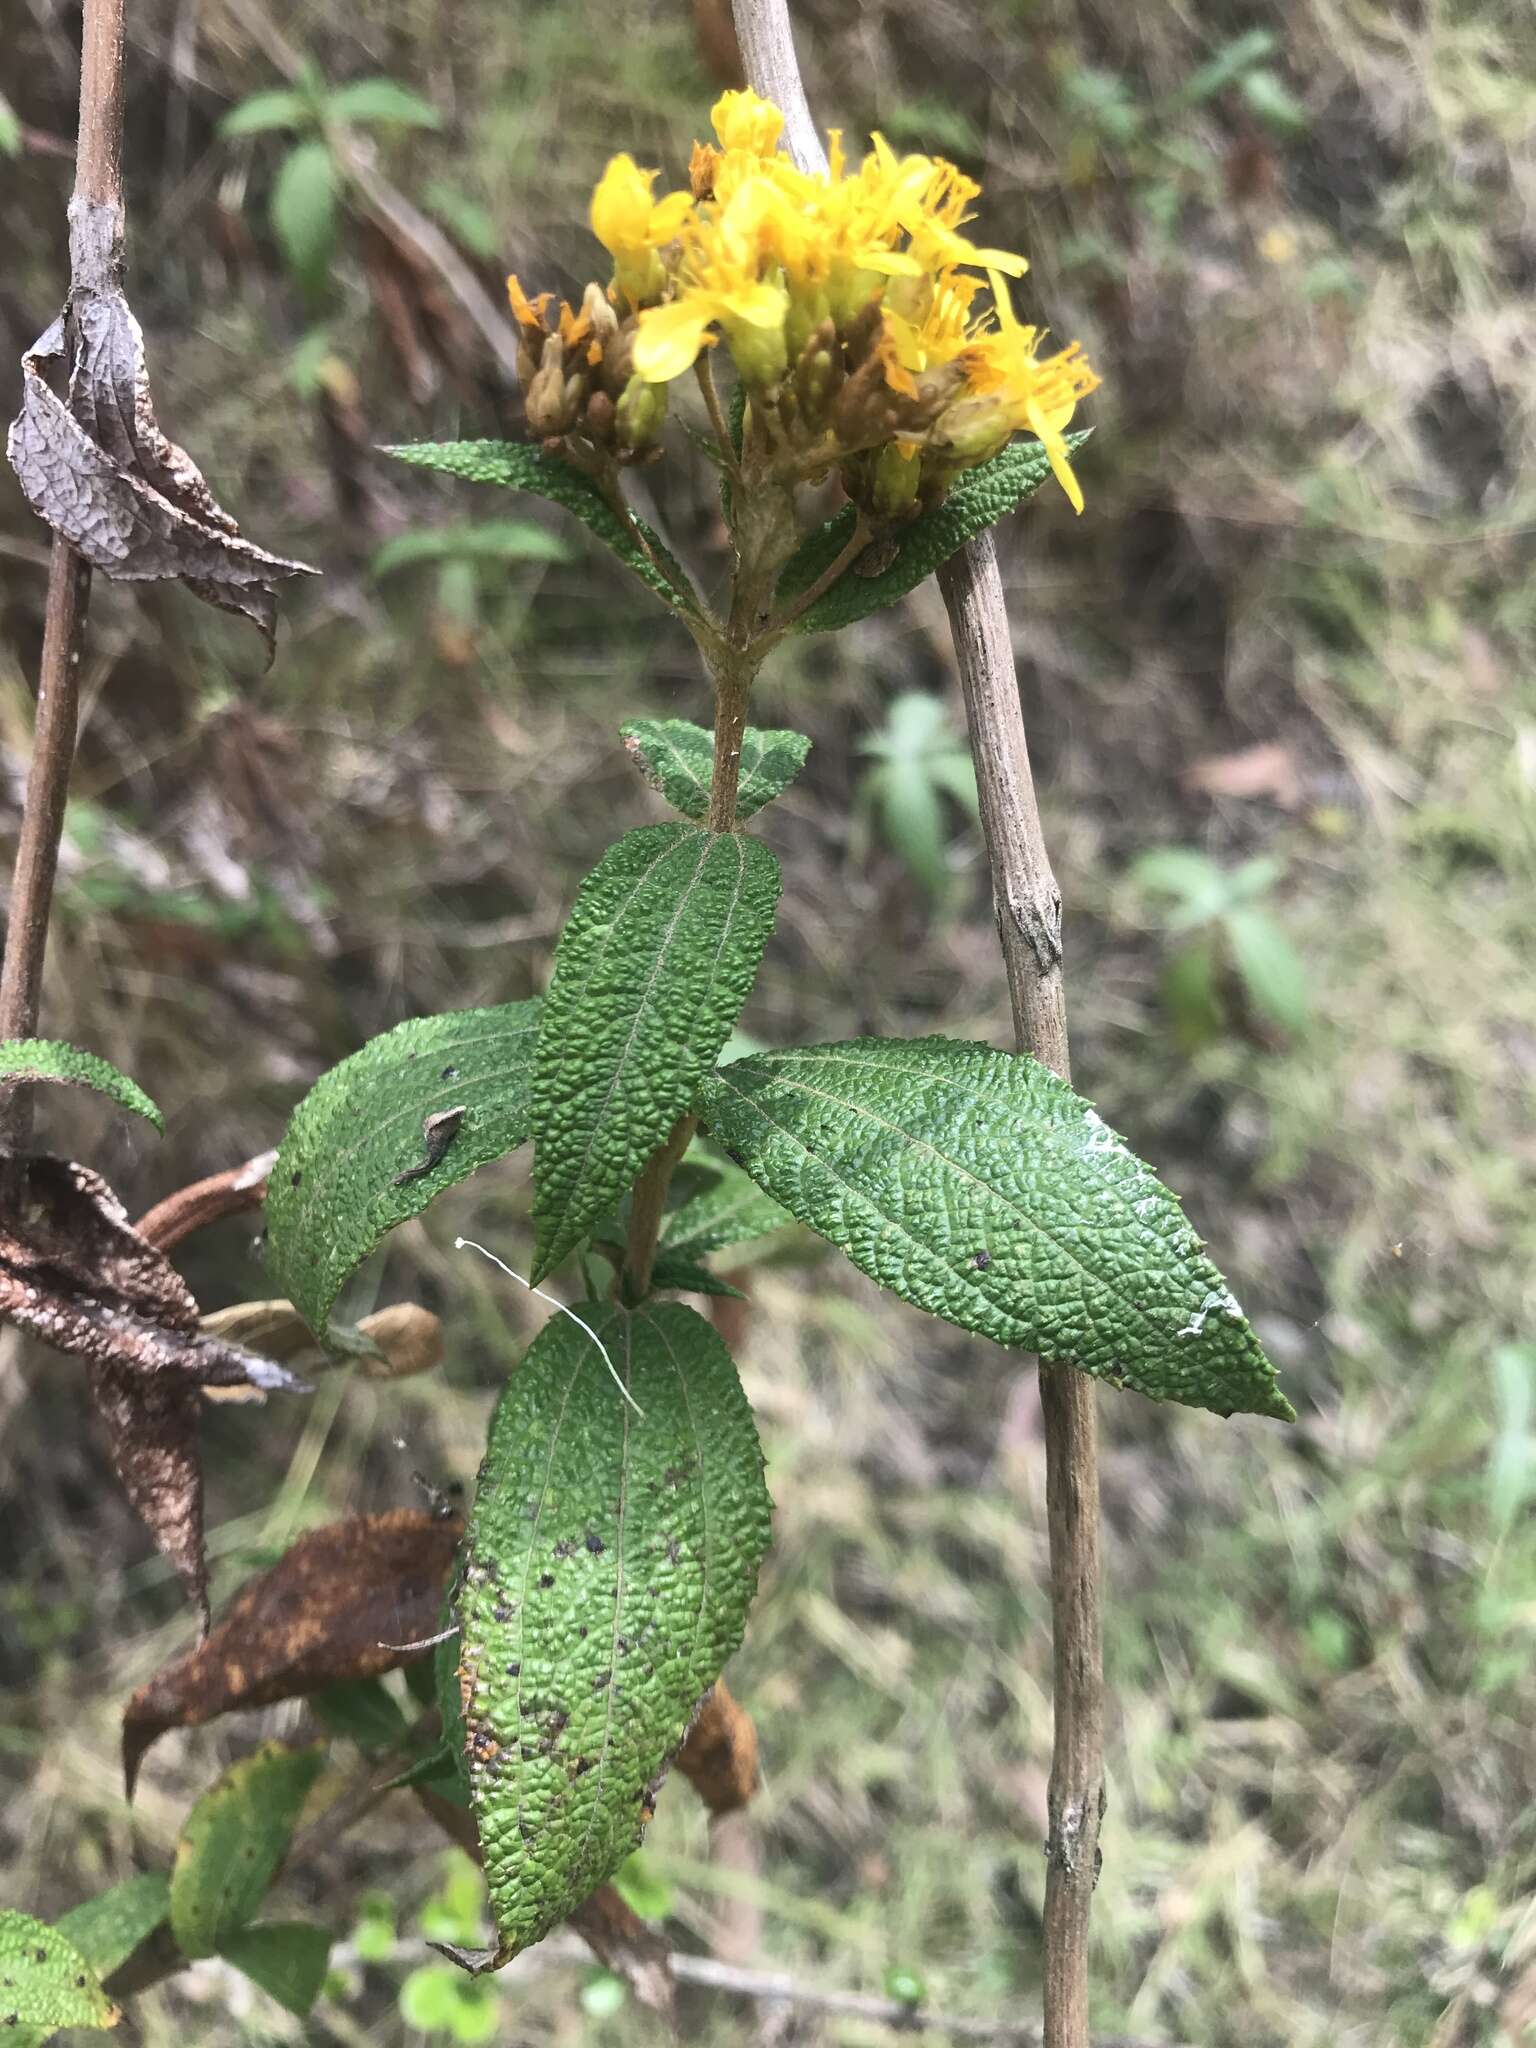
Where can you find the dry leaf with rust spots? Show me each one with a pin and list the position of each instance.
(74, 1272)
(95, 465)
(343, 1603)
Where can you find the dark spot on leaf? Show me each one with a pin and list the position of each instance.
(546, 1580)
(594, 1543)
(297, 1177)
(602, 1680)
(514, 1669)
(450, 1073)
(981, 1261)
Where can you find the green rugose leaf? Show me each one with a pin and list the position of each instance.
(348, 1169)
(49, 1059)
(977, 500)
(303, 211)
(733, 1211)
(976, 1185)
(233, 1841)
(287, 1958)
(678, 759)
(518, 467)
(609, 1568)
(655, 962)
(45, 1981)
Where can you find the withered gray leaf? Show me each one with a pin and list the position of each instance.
(74, 1272)
(347, 1601)
(96, 466)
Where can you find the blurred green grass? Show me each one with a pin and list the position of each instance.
(1309, 527)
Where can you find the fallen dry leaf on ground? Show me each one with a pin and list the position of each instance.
(1269, 771)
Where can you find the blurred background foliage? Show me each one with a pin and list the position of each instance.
(1278, 681)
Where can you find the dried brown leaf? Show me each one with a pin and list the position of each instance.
(719, 1753)
(95, 465)
(74, 1272)
(343, 1603)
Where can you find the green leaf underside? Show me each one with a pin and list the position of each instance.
(45, 1981)
(609, 1566)
(519, 467)
(678, 759)
(49, 1059)
(978, 500)
(976, 1185)
(653, 966)
(675, 1275)
(734, 1211)
(333, 1195)
(234, 1839)
(287, 1958)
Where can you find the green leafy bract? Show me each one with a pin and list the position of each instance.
(976, 1185)
(49, 1059)
(233, 1841)
(287, 1958)
(654, 964)
(609, 1565)
(348, 1168)
(519, 467)
(678, 759)
(977, 500)
(44, 1979)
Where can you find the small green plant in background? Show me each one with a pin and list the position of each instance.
(920, 765)
(457, 563)
(307, 190)
(1229, 963)
(1116, 128)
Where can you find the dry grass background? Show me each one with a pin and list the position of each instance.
(1309, 524)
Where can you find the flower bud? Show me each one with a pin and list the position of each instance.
(545, 402)
(893, 480)
(641, 411)
(598, 313)
(758, 352)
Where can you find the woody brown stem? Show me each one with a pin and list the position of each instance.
(1028, 908)
(1029, 928)
(98, 188)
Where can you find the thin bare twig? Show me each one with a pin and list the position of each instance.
(1029, 927)
(99, 190)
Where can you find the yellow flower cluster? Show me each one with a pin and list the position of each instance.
(850, 299)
